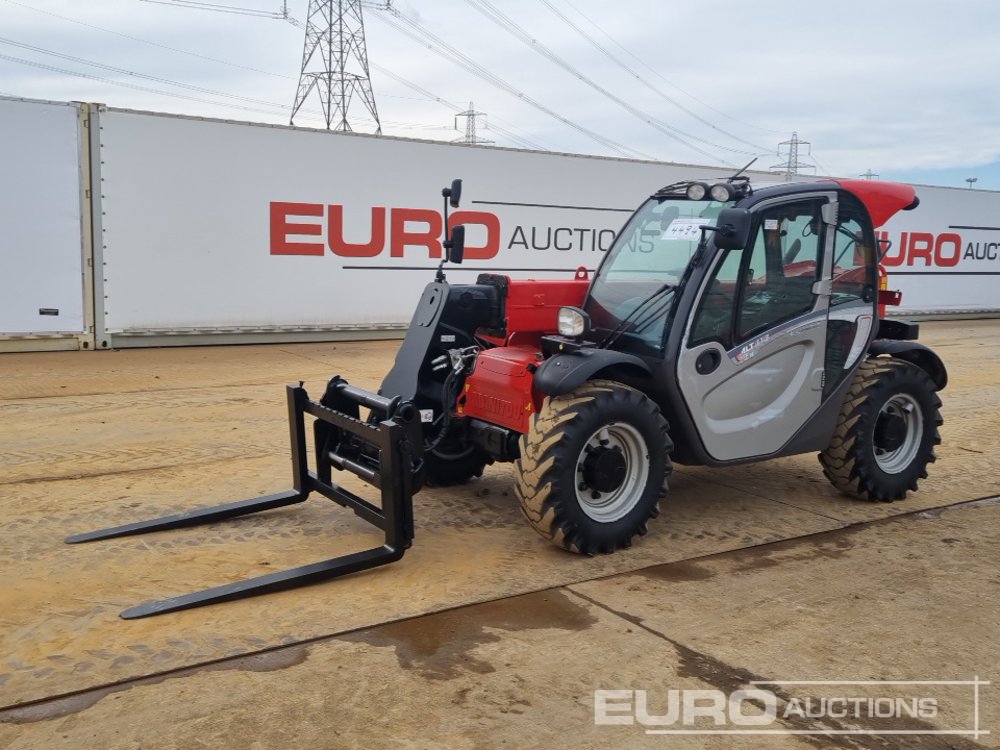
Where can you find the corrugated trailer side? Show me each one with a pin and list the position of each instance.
(945, 254)
(218, 231)
(215, 231)
(45, 243)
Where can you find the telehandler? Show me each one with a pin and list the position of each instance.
(725, 325)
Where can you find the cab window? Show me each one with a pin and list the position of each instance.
(783, 266)
(755, 289)
(853, 256)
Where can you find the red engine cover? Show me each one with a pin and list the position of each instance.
(532, 306)
(500, 388)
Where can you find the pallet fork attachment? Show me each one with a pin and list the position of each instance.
(386, 454)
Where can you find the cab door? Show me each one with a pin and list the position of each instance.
(853, 318)
(751, 364)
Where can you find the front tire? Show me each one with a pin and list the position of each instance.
(593, 467)
(886, 432)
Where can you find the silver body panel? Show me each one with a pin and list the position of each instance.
(764, 389)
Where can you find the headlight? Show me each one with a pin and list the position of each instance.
(697, 191)
(573, 322)
(722, 192)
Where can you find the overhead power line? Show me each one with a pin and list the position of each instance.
(659, 92)
(456, 108)
(178, 50)
(145, 41)
(664, 78)
(490, 11)
(495, 124)
(334, 54)
(822, 167)
(424, 94)
(429, 40)
(144, 76)
(258, 12)
(123, 84)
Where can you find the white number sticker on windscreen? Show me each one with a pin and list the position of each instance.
(683, 229)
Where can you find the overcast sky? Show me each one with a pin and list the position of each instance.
(907, 90)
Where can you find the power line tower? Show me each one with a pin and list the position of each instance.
(792, 165)
(869, 175)
(471, 117)
(335, 61)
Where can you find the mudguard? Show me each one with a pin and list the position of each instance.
(918, 354)
(564, 372)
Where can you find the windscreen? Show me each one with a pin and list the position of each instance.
(635, 287)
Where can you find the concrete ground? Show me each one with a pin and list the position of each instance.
(483, 635)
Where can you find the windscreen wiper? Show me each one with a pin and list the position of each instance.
(620, 328)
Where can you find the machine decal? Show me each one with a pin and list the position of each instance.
(683, 229)
(750, 349)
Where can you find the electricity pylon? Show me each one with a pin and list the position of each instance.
(471, 123)
(792, 166)
(335, 61)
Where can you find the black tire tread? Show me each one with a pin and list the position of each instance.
(541, 459)
(444, 472)
(843, 461)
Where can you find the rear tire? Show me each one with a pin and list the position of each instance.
(593, 467)
(886, 432)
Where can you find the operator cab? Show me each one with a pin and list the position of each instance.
(749, 307)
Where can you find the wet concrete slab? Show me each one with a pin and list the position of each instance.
(63, 633)
(913, 598)
(162, 431)
(910, 598)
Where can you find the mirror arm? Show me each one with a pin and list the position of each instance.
(451, 195)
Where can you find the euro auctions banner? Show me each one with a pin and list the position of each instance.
(945, 254)
(212, 225)
(216, 225)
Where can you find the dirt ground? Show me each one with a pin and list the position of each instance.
(483, 635)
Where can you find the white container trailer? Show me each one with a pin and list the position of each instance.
(213, 231)
(45, 284)
(945, 254)
(223, 231)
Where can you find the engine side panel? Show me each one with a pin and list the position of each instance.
(501, 390)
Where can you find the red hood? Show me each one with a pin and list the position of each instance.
(882, 199)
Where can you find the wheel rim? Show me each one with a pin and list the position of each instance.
(607, 504)
(898, 433)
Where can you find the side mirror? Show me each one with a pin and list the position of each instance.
(732, 229)
(454, 193)
(456, 245)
